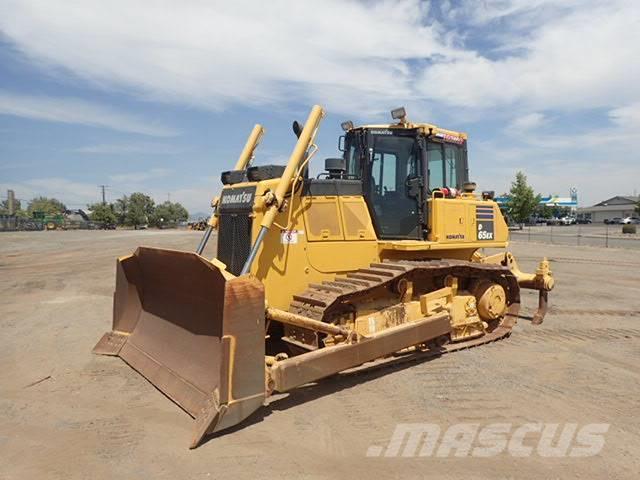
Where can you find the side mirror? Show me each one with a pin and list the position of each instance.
(341, 143)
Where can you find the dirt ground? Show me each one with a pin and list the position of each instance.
(65, 413)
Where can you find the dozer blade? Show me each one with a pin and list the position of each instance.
(195, 332)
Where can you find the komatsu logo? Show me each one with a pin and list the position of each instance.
(455, 236)
(242, 197)
(237, 199)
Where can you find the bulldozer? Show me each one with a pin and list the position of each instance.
(378, 257)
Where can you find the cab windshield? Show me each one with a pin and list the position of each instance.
(446, 161)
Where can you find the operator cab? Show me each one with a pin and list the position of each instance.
(399, 166)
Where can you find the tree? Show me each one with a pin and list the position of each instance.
(522, 199)
(638, 206)
(102, 213)
(49, 206)
(544, 211)
(168, 214)
(120, 209)
(560, 212)
(140, 208)
(17, 208)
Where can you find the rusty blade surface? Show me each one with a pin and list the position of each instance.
(190, 331)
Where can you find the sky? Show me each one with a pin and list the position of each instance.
(159, 96)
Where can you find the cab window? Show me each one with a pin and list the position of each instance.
(446, 165)
(436, 166)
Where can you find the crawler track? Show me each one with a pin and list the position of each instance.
(330, 299)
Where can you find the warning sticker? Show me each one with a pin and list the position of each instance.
(289, 237)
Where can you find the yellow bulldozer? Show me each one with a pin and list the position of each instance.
(379, 256)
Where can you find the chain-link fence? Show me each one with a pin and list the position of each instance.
(600, 235)
(11, 223)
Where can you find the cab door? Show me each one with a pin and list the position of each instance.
(391, 180)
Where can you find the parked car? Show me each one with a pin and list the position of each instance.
(535, 221)
(567, 220)
(613, 221)
(629, 220)
(583, 221)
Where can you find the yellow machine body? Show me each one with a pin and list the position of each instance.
(318, 237)
(307, 280)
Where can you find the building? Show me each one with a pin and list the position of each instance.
(618, 206)
(551, 200)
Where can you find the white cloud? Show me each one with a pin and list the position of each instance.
(355, 57)
(600, 161)
(578, 58)
(527, 122)
(483, 12)
(212, 54)
(627, 117)
(131, 178)
(128, 148)
(76, 111)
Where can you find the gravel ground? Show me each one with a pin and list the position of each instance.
(65, 413)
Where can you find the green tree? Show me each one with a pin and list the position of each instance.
(140, 208)
(17, 206)
(169, 214)
(522, 199)
(561, 212)
(120, 209)
(544, 211)
(638, 206)
(102, 213)
(49, 206)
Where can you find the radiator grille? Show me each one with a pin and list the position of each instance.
(234, 240)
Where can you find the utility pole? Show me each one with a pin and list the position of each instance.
(169, 197)
(11, 202)
(103, 188)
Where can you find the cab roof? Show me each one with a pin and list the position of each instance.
(426, 128)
